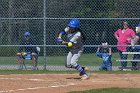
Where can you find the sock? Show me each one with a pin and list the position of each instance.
(80, 69)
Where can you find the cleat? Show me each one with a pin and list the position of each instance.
(84, 77)
(84, 68)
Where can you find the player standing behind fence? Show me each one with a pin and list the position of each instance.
(24, 50)
(136, 41)
(124, 36)
(105, 52)
(75, 44)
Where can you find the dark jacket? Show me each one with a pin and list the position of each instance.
(31, 49)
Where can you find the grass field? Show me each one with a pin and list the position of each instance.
(111, 90)
(62, 72)
(86, 59)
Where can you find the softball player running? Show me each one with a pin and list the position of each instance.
(74, 42)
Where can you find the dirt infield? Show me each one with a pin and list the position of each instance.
(63, 83)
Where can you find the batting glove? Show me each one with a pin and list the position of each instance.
(66, 29)
(59, 39)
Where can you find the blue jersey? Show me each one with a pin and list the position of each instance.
(104, 49)
(31, 49)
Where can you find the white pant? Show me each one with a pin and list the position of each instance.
(73, 57)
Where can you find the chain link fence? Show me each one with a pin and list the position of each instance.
(45, 18)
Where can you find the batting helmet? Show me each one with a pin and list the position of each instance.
(27, 34)
(74, 23)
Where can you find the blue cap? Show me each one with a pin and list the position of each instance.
(27, 34)
(138, 25)
(74, 23)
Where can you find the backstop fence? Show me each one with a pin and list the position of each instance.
(45, 18)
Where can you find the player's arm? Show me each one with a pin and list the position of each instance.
(98, 49)
(98, 53)
(69, 44)
(61, 33)
(137, 35)
(133, 34)
(116, 35)
(65, 42)
(73, 40)
(59, 38)
(135, 39)
(110, 51)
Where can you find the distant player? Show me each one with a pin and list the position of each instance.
(76, 37)
(105, 53)
(24, 50)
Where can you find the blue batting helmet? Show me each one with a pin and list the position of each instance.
(27, 34)
(74, 23)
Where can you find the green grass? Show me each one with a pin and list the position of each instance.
(111, 90)
(2, 72)
(62, 72)
(85, 59)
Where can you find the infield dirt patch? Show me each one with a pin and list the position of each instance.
(63, 83)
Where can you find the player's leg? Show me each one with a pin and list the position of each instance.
(68, 60)
(19, 59)
(34, 60)
(123, 57)
(74, 61)
(109, 63)
(102, 66)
